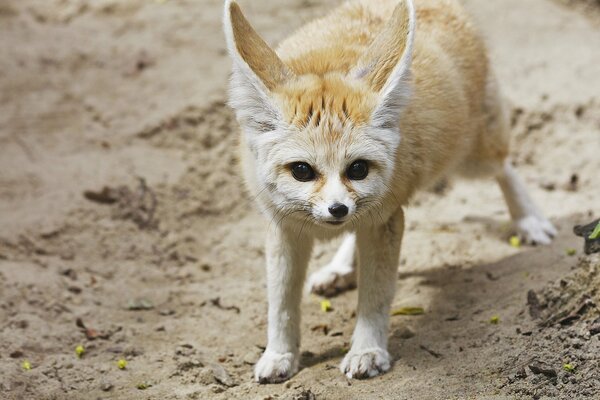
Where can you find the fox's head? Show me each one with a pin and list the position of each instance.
(324, 142)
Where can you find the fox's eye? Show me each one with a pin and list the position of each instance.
(302, 171)
(358, 170)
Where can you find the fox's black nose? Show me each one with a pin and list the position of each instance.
(338, 210)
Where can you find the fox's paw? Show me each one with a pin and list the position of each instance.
(535, 230)
(275, 367)
(365, 363)
(330, 280)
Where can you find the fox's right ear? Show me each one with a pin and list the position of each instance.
(257, 70)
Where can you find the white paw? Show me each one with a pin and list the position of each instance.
(331, 280)
(535, 230)
(275, 367)
(365, 363)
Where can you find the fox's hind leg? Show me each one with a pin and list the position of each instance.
(490, 157)
(529, 222)
(340, 274)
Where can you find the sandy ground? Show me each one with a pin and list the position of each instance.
(169, 275)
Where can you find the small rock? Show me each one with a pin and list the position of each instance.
(16, 354)
(404, 333)
(534, 304)
(521, 373)
(132, 352)
(216, 388)
(204, 377)
(189, 364)
(70, 273)
(23, 324)
(542, 368)
(115, 349)
(549, 186)
(573, 183)
(591, 245)
(305, 394)
(576, 343)
(237, 362)
(74, 289)
(595, 329)
(185, 350)
(307, 354)
(67, 255)
(222, 376)
(106, 387)
(252, 357)
(205, 267)
(139, 304)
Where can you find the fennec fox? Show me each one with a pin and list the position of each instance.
(340, 126)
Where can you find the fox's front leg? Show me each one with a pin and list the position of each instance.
(379, 250)
(287, 259)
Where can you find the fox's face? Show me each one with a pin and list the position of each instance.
(324, 144)
(322, 160)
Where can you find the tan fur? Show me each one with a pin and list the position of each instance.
(253, 49)
(311, 97)
(444, 124)
(376, 100)
(455, 120)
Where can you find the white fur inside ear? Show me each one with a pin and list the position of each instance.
(249, 97)
(251, 103)
(401, 72)
(396, 92)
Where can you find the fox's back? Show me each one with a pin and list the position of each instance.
(335, 42)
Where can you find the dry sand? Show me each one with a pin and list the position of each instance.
(102, 93)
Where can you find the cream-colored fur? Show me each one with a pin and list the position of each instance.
(401, 90)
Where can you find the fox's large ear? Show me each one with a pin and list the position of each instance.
(257, 70)
(385, 65)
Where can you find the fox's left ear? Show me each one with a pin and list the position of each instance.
(385, 65)
(257, 70)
